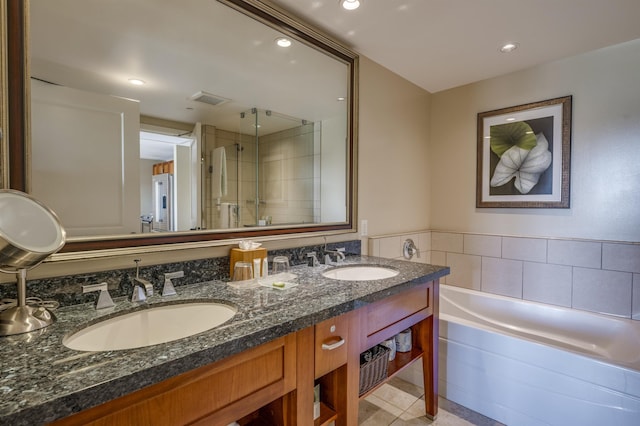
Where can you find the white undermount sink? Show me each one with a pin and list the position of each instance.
(152, 326)
(360, 273)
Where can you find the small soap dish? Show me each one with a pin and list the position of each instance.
(244, 284)
(281, 281)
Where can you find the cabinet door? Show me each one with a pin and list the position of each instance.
(218, 393)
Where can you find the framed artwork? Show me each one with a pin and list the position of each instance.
(524, 155)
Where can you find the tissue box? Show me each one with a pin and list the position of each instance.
(239, 255)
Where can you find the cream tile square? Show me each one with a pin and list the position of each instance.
(438, 257)
(482, 245)
(531, 249)
(394, 396)
(416, 410)
(374, 246)
(621, 257)
(466, 270)
(575, 253)
(380, 399)
(416, 415)
(607, 292)
(446, 241)
(425, 241)
(372, 413)
(416, 390)
(424, 258)
(547, 283)
(502, 276)
(391, 247)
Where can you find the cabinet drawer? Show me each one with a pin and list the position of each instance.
(331, 337)
(393, 314)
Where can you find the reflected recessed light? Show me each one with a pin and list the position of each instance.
(136, 82)
(510, 119)
(283, 42)
(350, 4)
(342, 98)
(508, 47)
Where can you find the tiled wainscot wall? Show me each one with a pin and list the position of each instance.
(597, 276)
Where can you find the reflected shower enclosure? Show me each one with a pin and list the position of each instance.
(267, 173)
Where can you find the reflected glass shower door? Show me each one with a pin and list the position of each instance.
(277, 169)
(247, 169)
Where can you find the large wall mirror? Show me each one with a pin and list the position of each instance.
(155, 121)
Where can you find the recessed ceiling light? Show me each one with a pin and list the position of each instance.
(350, 4)
(508, 47)
(342, 98)
(283, 42)
(136, 82)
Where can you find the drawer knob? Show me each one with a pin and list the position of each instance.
(331, 346)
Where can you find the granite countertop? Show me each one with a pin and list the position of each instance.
(41, 380)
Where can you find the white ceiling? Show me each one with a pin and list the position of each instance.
(180, 49)
(440, 44)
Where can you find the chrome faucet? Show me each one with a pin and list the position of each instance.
(141, 288)
(104, 299)
(313, 259)
(339, 253)
(168, 289)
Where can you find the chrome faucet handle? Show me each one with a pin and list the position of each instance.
(409, 249)
(314, 260)
(168, 289)
(104, 298)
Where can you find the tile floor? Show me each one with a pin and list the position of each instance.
(398, 402)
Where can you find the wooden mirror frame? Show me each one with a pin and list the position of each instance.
(18, 124)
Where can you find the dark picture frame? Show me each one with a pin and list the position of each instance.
(524, 155)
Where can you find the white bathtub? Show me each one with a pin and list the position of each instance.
(525, 363)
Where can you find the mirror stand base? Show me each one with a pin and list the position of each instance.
(23, 319)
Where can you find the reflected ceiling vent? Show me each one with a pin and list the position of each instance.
(209, 98)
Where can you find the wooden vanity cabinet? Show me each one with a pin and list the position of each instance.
(273, 384)
(339, 373)
(216, 394)
(418, 309)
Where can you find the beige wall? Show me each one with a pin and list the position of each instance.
(605, 175)
(417, 156)
(393, 177)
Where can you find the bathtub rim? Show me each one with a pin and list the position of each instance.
(606, 361)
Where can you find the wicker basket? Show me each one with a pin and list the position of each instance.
(373, 367)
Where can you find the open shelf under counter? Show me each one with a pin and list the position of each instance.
(399, 363)
(327, 415)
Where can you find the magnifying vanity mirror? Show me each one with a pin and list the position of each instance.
(29, 233)
(157, 122)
